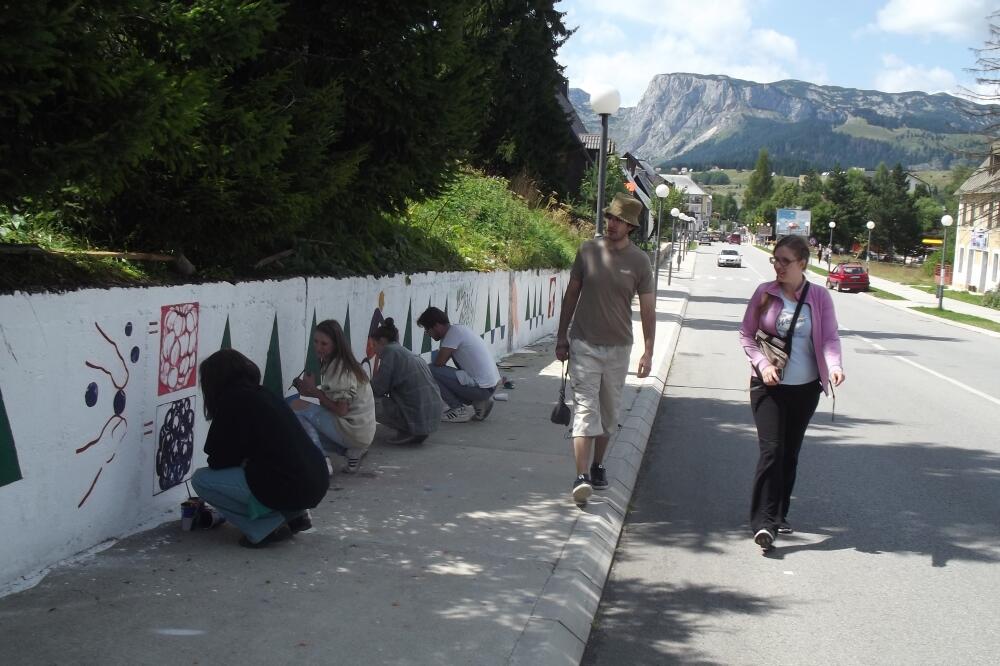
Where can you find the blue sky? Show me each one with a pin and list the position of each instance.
(889, 45)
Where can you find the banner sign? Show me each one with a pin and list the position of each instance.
(792, 222)
(980, 240)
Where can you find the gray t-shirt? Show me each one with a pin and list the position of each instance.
(610, 278)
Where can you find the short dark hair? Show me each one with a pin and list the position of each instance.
(224, 370)
(431, 317)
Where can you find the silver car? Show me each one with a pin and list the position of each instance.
(730, 258)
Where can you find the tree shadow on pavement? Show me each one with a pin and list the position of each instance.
(662, 618)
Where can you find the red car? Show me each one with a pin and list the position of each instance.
(848, 276)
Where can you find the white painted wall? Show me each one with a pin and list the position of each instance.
(73, 496)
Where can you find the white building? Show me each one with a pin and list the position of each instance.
(976, 259)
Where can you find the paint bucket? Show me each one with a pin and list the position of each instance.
(208, 518)
(189, 511)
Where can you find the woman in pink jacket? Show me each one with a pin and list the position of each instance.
(783, 401)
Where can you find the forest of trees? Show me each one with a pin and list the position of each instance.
(851, 199)
(224, 128)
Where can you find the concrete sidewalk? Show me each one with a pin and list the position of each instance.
(465, 550)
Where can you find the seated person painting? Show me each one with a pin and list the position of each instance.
(263, 473)
(406, 395)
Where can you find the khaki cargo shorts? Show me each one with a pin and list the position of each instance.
(597, 375)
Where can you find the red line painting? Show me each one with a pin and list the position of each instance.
(178, 361)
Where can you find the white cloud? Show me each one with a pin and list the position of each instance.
(626, 44)
(899, 76)
(959, 19)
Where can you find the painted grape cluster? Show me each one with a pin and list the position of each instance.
(178, 347)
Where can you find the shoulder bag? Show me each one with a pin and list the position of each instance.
(561, 414)
(777, 349)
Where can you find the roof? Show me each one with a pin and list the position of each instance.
(593, 142)
(576, 125)
(982, 181)
(683, 182)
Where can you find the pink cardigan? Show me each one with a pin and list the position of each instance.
(826, 341)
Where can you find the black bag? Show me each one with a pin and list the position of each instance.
(561, 413)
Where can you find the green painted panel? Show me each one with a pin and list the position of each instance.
(227, 341)
(272, 366)
(10, 470)
(425, 344)
(312, 363)
(408, 333)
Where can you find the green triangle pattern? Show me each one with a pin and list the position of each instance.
(425, 344)
(10, 470)
(347, 328)
(498, 308)
(527, 306)
(227, 341)
(538, 305)
(408, 333)
(272, 366)
(489, 318)
(312, 363)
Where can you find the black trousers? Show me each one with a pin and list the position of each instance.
(782, 414)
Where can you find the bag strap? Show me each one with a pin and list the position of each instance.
(795, 318)
(562, 388)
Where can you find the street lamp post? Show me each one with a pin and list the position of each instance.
(604, 103)
(662, 191)
(946, 221)
(674, 213)
(833, 225)
(868, 252)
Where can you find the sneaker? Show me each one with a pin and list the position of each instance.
(280, 534)
(460, 414)
(354, 457)
(598, 477)
(784, 527)
(483, 409)
(302, 523)
(582, 489)
(764, 539)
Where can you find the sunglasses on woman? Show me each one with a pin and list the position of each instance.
(782, 261)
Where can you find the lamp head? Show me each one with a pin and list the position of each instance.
(675, 212)
(947, 221)
(833, 224)
(605, 101)
(662, 190)
(870, 225)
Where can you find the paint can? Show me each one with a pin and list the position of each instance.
(189, 512)
(502, 397)
(208, 518)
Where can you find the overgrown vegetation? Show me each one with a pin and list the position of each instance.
(230, 131)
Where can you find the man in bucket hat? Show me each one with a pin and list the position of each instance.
(607, 273)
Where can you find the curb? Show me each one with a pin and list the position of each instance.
(560, 623)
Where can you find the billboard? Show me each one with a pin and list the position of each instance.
(793, 222)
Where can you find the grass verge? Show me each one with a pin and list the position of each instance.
(885, 295)
(963, 318)
(964, 296)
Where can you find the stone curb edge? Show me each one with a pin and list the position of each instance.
(559, 626)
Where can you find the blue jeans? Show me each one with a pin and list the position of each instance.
(453, 392)
(227, 490)
(321, 426)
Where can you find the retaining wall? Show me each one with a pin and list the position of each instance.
(101, 419)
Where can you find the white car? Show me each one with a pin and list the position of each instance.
(730, 258)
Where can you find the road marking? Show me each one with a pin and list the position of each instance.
(935, 373)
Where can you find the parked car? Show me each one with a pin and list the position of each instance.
(704, 239)
(848, 276)
(730, 258)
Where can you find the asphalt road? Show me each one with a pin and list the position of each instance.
(896, 557)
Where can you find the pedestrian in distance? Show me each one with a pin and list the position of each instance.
(406, 396)
(342, 421)
(783, 401)
(263, 473)
(467, 389)
(606, 274)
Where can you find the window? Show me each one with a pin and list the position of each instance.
(996, 264)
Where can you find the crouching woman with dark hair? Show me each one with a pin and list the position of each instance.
(406, 395)
(264, 473)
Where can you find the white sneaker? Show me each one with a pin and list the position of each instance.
(354, 457)
(764, 539)
(460, 414)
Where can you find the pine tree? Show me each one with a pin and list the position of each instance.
(760, 186)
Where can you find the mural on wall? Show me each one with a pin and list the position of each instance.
(493, 326)
(371, 360)
(119, 381)
(175, 442)
(272, 364)
(426, 344)
(408, 334)
(553, 293)
(533, 313)
(178, 347)
(466, 307)
(10, 470)
(227, 338)
(312, 361)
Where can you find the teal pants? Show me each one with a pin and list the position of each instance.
(227, 490)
